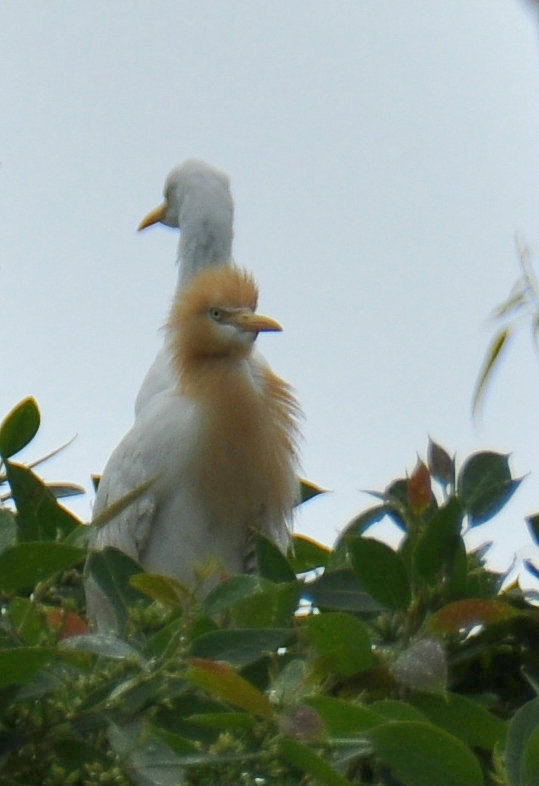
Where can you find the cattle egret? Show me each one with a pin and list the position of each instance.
(216, 455)
(198, 202)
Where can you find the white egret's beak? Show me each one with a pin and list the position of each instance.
(255, 323)
(154, 217)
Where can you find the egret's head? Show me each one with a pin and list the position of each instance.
(216, 316)
(188, 184)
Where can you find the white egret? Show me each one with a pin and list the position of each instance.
(216, 453)
(198, 202)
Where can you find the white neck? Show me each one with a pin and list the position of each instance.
(205, 222)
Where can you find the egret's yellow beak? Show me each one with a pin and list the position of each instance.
(154, 217)
(256, 323)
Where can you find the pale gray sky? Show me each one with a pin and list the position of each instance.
(382, 156)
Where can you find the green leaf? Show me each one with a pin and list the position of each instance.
(165, 639)
(381, 571)
(345, 718)
(39, 516)
(112, 570)
(272, 564)
(533, 526)
(440, 463)
(437, 546)
(485, 485)
(19, 427)
(361, 523)
(232, 591)
(20, 664)
(492, 358)
(104, 644)
(179, 744)
(522, 729)
(62, 490)
(342, 640)
(309, 490)
(28, 621)
(138, 692)
(420, 754)
(8, 529)
(221, 681)
(148, 760)
(72, 752)
(23, 566)
(340, 590)
(272, 607)
(121, 504)
(306, 554)
(394, 709)
(291, 683)
(254, 602)
(464, 718)
(528, 564)
(224, 721)
(396, 495)
(531, 759)
(164, 589)
(240, 647)
(306, 760)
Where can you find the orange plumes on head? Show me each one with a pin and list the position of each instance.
(224, 285)
(193, 336)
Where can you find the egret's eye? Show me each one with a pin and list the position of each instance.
(216, 314)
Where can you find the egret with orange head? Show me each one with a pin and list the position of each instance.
(217, 451)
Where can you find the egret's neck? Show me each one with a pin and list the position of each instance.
(206, 234)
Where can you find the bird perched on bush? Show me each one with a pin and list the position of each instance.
(197, 202)
(215, 454)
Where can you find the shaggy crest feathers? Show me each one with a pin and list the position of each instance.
(189, 329)
(220, 286)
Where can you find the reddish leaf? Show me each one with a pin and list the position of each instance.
(73, 625)
(66, 623)
(464, 614)
(420, 495)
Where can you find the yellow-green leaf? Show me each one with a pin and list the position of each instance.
(491, 360)
(223, 682)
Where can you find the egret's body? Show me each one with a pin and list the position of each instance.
(216, 450)
(199, 203)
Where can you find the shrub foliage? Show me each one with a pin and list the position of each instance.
(361, 664)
